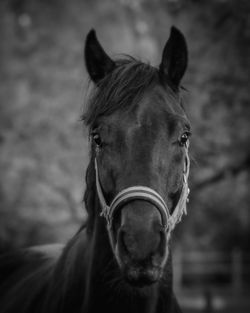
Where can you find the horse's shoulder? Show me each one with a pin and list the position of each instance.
(14, 261)
(28, 259)
(30, 275)
(24, 272)
(51, 251)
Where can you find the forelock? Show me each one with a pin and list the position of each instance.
(122, 88)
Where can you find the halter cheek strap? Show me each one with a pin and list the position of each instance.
(147, 194)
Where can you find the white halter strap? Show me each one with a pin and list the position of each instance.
(147, 194)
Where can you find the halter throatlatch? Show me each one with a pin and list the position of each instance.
(147, 194)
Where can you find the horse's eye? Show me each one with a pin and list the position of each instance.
(97, 139)
(184, 138)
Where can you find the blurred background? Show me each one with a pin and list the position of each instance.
(44, 146)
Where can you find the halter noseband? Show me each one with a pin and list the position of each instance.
(147, 194)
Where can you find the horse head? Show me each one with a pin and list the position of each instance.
(140, 135)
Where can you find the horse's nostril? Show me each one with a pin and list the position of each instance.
(163, 243)
(121, 244)
(142, 276)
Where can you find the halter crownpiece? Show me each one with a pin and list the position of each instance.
(147, 194)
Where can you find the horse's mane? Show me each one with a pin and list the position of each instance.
(121, 88)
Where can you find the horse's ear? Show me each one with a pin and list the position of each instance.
(98, 63)
(174, 58)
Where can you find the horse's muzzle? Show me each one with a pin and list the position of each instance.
(142, 276)
(141, 244)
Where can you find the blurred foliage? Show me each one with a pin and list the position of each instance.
(44, 148)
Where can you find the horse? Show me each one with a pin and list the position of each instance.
(136, 192)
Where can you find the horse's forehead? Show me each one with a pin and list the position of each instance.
(156, 110)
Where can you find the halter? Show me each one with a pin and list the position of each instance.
(147, 194)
